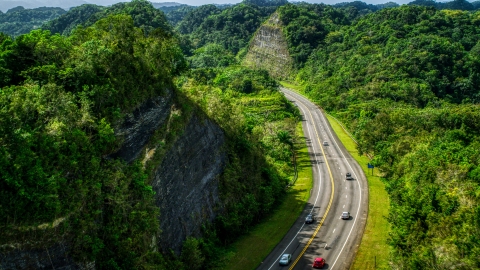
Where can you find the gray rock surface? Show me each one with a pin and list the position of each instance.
(139, 126)
(186, 183)
(269, 49)
(55, 257)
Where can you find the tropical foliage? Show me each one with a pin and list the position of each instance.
(260, 127)
(19, 20)
(406, 82)
(59, 100)
(144, 15)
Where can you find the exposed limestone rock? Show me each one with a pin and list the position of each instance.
(269, 50)
(186, 183)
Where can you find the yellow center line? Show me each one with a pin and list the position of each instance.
(329, 203)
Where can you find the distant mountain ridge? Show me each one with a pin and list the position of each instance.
(67, 4)
(30, 4)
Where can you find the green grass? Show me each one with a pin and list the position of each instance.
(292, 86)
(373, 252)
(250, 250)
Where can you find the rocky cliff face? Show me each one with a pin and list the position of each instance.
(55, 257)
(269, 50)
(186, 183)
(138, 127)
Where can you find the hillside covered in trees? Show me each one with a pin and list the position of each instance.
(404, 80)
(19, 20)
(62, 98)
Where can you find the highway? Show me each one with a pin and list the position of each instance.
(329, 237)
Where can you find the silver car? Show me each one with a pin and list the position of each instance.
(285, 259)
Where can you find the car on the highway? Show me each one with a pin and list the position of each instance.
(346, 215)
(309, 219)
(348, 176)
(285, 259)
(318, 263)
(325, 143)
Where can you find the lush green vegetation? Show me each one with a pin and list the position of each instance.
(250, 250)
(305, 26)
(19, 21)
(68, 22)
(260, 127)
(452, 5)
(231, 27)
(405, 80)
(59, 99)
(144, 15)
(61, 96)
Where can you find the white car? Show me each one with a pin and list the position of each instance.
(285, 259)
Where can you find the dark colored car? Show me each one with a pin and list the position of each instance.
(348, 176)
(325, 143)
(285, 259)
(346, 215)
(309, 219)
(318, 263)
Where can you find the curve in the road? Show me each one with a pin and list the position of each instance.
(329, 203)
(292, 95)
(311, 210)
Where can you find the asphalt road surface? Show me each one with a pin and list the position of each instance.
(330, 237)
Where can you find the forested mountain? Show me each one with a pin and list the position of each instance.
(453, 5)
(177, 13)
(76, 16)
(143, 13)
(231, 27)
(406, 82)
(33, 4)
(19, 20)
(403, 79)
(63, 99)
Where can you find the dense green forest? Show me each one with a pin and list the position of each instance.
(405, 80)
(58, 107)
(61, 97)
(144, 16)
(17, 21)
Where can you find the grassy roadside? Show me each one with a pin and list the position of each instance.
(373, 252)
(249, 251)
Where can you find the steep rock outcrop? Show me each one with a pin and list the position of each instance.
(269, 49)
(186, 183)
(55, 257)
(139, 126)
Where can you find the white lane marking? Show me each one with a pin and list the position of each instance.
(334, 230)
(350, 166)
(344, 206)
(316, 199)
